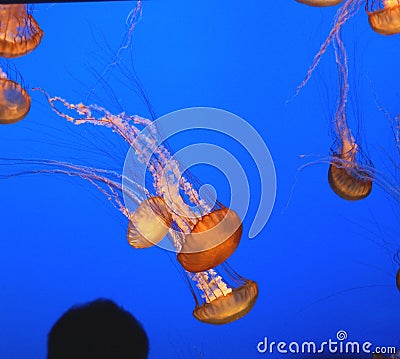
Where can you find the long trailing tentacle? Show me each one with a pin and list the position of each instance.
(344, 13)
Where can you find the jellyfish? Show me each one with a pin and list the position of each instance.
(149, 223)
(15, 102)
(204, 234)
(19, 32)
(384, 16)
(211, 240)
(221, 302)
(348, 176)
(320, 3)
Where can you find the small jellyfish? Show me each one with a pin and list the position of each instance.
(398, 279)
(384, 16)
(219, 301)
(212, 241)
(320, 3)
(149, 223)
(15, 102)
(348, 177)
(19, 32)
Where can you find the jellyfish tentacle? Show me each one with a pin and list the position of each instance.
(344, 13)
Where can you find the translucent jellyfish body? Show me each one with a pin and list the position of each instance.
(19, 32)
(384, 16)
(149, 224)
(212, 240)
(320, 3)
(15, 102)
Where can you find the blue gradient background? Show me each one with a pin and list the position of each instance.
(62, 243)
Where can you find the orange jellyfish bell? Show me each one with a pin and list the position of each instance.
(384, 16)
(348, 180)
(212, 240)
(221, 294)
(15, 102)
(230, 307)
(19, 31)
(320, 3)
(149, 224)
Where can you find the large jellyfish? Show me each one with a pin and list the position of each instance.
(320, 3)
(19, 32)
(384, 16)
(204, 233)
(348, 177)
(15, 102)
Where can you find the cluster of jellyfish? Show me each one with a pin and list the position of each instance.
(20, 34)
(203, 232)
(351, 173)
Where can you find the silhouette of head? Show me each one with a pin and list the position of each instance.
(97, 330)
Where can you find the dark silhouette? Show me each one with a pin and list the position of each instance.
(97, 330)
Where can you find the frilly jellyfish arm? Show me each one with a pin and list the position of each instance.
(348, 149)
(166, 172)
(344, 13)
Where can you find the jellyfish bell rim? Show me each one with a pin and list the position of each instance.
(24, 94)
(385, 21)
(196, 257)
(339, 178)
(320, 3)
(228, 308)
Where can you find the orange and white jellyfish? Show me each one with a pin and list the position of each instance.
(15, 102)
(348, 176)
(320, 3)
(204, 234)
(19, 32)
(222, 301)
(384, 16)
(211, 241)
